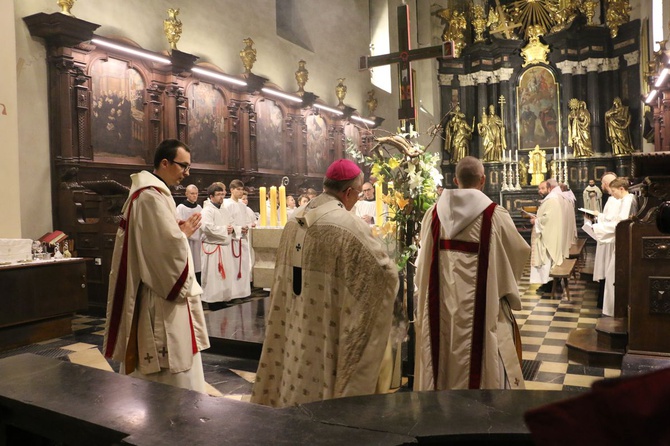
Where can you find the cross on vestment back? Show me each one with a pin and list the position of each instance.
(403, 57)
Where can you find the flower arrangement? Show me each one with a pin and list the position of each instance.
(411, 176)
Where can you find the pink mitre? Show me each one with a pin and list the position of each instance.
(343, 170)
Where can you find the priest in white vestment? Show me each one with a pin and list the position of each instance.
(155, 325)
(217, 261)
(469, 265)
(570, 227)
(239, 246)
(605, 232)
(548, 239)
(604, 251)
(331, 304)
(184, 210)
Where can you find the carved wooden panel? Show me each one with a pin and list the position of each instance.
(656, 248)
(659, 295)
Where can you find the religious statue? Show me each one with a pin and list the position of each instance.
(523, 172)
(301, 77)
(618, 13)
(340, 92)
(460, 138)
(484, 130)
(537, 165)
(617, 122)
(248, 55)
(371, 103)
(579, 131)
(454, 29)
(172, 28)
(497, 127)
(452, 118)
(593, 197)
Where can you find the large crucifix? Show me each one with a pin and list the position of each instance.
(403, 57)
(407, 116)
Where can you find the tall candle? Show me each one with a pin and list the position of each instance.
(378, 203)
(263, 206)
(273, 206)
(566, 153)
(516, 155)
(282, 205)
(554, 153)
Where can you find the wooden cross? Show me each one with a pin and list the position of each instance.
(404, 57)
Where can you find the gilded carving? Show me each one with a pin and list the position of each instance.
(536, 51)
(248, 55)
(172, 28)
(454, 29)
(656, 248)
(618, 13)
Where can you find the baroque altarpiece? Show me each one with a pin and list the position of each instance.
(109, 110)
(529, 68)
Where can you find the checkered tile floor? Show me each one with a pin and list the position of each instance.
(544, 323)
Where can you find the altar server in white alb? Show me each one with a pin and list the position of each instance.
(185, 209)
(331, 301)
(155, 324)
(604, 251)
(605, 232)
(217, 264)
(239, 247)
(471, 260)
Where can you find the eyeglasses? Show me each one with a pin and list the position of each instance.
(185, 166)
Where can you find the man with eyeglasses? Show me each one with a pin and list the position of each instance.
(365, 207)
(329, 321)
(155, 324)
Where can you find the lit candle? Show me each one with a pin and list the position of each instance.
(263, 206)
(554, 153)
(566, 153)
(282, 205)
(273, 206)
(378, 203)
(516, 156)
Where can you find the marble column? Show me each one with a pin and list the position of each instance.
(630, 92)
(469, 98)
(446, 82)
(593, 99)
(483, 100)
(567, 68)
(510, 117)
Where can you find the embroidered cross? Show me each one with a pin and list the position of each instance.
(301, 222)
(340, 205)
(148, 358)
(516, 381)
(298, 247)
(163, 352)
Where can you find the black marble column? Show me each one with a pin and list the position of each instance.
(482, 103)
(567, 93)
(510, 117)
(593, 104)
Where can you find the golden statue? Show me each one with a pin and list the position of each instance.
(479, 22)
(618, 13)
(459, 134)
(371, 103)
(454, 29)
(579, 129)
(172, 28)
(484, 130)
(65, 6)
(523, 172)
(497, 127)
(617, 122)
(301, 77)
(340, 92)
(248, 55)
(537, 165)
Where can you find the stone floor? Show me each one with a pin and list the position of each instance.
(544, 323)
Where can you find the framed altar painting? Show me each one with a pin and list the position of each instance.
(270, 135)
(538, 109)
(117, 110)
(206, 124)
(318, 156)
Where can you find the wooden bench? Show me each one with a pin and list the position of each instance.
(562, 271)
(578, 252)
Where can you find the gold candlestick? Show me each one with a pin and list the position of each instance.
(301, 77)
(341, 92)
(172, 28)
(248, 55)
(65, 6)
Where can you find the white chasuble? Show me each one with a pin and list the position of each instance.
(460, 222)
(330, 312)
